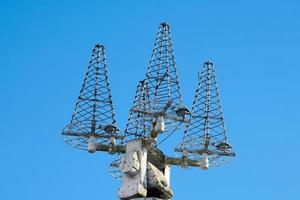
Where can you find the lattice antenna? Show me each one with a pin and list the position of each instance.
(157, 110)
(93, 120)
(205, 136)
(139, 124)
(167, 110)
(161, 74)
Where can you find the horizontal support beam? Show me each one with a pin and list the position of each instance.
(166, 115)
(111, 148)
(181, 162)
(87, 135)
(208, 152)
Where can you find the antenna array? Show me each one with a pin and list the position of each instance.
(157, 110)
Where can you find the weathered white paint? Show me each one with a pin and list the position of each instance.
(140, 175)
(134, 167)
(160, 125)
(92, 144)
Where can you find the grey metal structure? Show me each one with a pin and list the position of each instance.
(93, 120)
(139, 123)
(158, 97)
(157, 112)
(205, 136)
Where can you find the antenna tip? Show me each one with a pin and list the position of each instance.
(208, 63)
(99, 46)
(165, 24)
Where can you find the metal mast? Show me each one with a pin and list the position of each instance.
(93, 120)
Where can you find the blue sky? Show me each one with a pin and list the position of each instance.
(45, 47)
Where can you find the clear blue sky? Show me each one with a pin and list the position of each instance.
(44, 51)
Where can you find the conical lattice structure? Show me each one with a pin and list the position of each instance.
(205, 135)
(161, 77)
(139, 123)
(94, 114)
(163, 86)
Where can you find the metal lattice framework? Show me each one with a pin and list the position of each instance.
(157, 113)
(160, 94)
(93, 116)
(161, 77)
(205, 135)
(139, 124)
